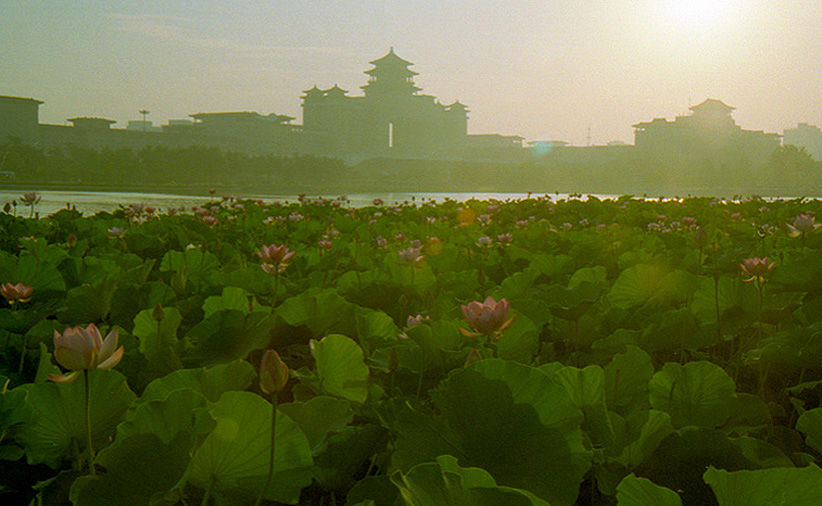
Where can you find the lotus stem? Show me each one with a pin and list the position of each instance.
(22, 355)
(271, 454)
(207, 495)
(88, 425)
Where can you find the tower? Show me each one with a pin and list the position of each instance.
(390, 77)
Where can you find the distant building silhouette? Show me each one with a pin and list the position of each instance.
(708, 132)
(392, 118)
(805, 136)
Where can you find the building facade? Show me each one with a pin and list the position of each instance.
(709, 132)
(391, 118)
(805, 136)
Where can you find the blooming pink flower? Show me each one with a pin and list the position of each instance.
(484, 241)
(802, 224)
(275, 258)
(487, 318)
(30, 198)
(757, 268)
(16, 293)
(410, 256)
(78, 349)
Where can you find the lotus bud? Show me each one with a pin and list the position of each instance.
(273, 372)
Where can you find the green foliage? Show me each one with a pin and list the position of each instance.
(232, 461)
(637, 359)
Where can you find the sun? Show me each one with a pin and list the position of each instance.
(697, 15)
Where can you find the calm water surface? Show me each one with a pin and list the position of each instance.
(92, 202)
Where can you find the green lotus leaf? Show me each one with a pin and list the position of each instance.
(586, 388)
(318, 417)
(229, 334)
(13, 412)
(766, 487)
(732, 297)
(375, 329)
(518, 284)
(374, 490)
(233, 460)
(633, 491)
(86, 303)
(810, 424)
(626, 380)
(183, 411)
(697, 394)
(231, 298)
(37, 271)
(552, 265)
(345, 453)
(320, 310)
(520, 342)
(445, 483)
(644, 431)
(341, 368)
(158, 339)
(194, 264)
(679, 461)
(138, 469)
(506, 418)
(418, 279)
(635, 285)
(58, 415)
(641, 283)
(211, 382)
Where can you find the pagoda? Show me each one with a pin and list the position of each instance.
(390, 77)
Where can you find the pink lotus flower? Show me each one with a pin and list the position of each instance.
(273, 372)
(757, 268)
(275, 258)
(410, 256)
(803, 224)
(30, 198)
(16, 293)
(487, 318)
(78, 349)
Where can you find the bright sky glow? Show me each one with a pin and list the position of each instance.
(698, 15)
(536, 68)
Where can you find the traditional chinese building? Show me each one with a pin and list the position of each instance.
(708, 132)
(391, 118)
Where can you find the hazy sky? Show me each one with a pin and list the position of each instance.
(540, 69)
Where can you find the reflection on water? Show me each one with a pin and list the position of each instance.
(92, 202)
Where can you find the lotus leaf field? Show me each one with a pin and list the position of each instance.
(534, 352)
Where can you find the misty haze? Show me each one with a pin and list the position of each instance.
(430, 253)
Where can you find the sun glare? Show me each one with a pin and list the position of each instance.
(697, 15)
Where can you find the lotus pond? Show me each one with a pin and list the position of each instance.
(530, 352)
